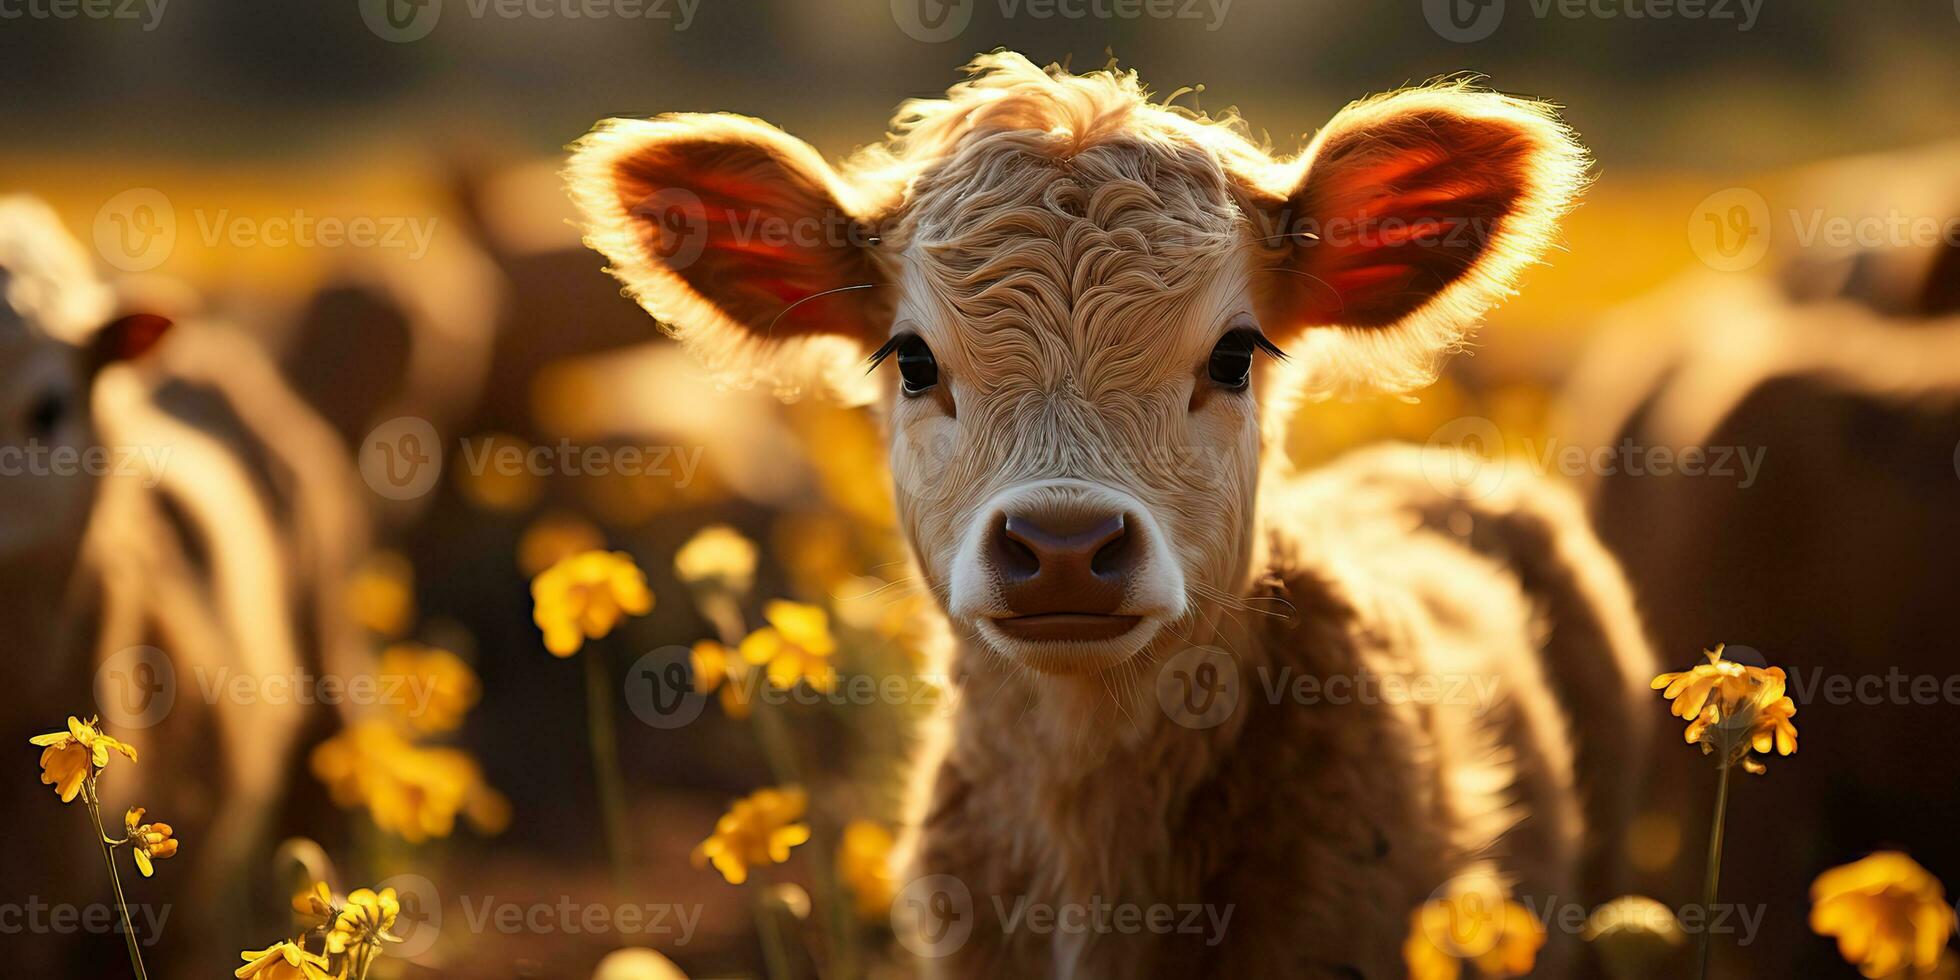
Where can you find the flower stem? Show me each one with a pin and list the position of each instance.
(775, 953)
(115, 880)
(605, 765)
(1714, 864)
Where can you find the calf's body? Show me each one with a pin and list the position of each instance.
(1399, 719)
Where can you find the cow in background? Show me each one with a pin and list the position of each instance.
(1835, 557)
(208, 542)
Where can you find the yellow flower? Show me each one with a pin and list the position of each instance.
(585, 596)
(864, 865)
(553, 538)
(1888, 914)
(1690, 689)
(717, 557)
(757, 831)
(381, 596)
(796, 645)
(435, 687)
(147, 840)
(716, 668)
(1475, 925)
(413, 792)
(68, 758)
(285, 960)
(364, 920)
(317, 903)
(1732, 708)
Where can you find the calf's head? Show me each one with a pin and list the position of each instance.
(1074, 300)
(56, 332)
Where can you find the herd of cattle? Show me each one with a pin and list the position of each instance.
(175, 483)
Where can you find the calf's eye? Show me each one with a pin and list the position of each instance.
(1231, 360)
(916, 366)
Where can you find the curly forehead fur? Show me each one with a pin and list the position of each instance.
(1069, 222)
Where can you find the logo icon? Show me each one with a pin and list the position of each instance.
(136, 230)
(420, 920)
(1730, 229)
(1199, 688)
(1464, 458)
(680, 223)
(933, 916)
(932, 21)
(135, 687)
(1463, 21)
(401, 458)
(922, 461)
(660, 688)
(1474, 921)
(401, 21)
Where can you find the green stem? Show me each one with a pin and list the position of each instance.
(775, 952)
(1714, 865)
(605, 765)
(115, 880)
(780, 751)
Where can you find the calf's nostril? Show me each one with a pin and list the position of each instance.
(1014, 557)
(1114, 554)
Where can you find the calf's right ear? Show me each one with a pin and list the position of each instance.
(741, 241)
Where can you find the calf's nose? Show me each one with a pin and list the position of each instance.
(1063, 562)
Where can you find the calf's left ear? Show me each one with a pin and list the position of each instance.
(125, 338)
(741, 241)
(1409, 216)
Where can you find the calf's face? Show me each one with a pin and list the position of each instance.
(53, 340)
(1074, 302)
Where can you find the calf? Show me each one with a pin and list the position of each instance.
(1074, 292)
(161, 490)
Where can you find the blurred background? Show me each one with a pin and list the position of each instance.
(351, 210)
